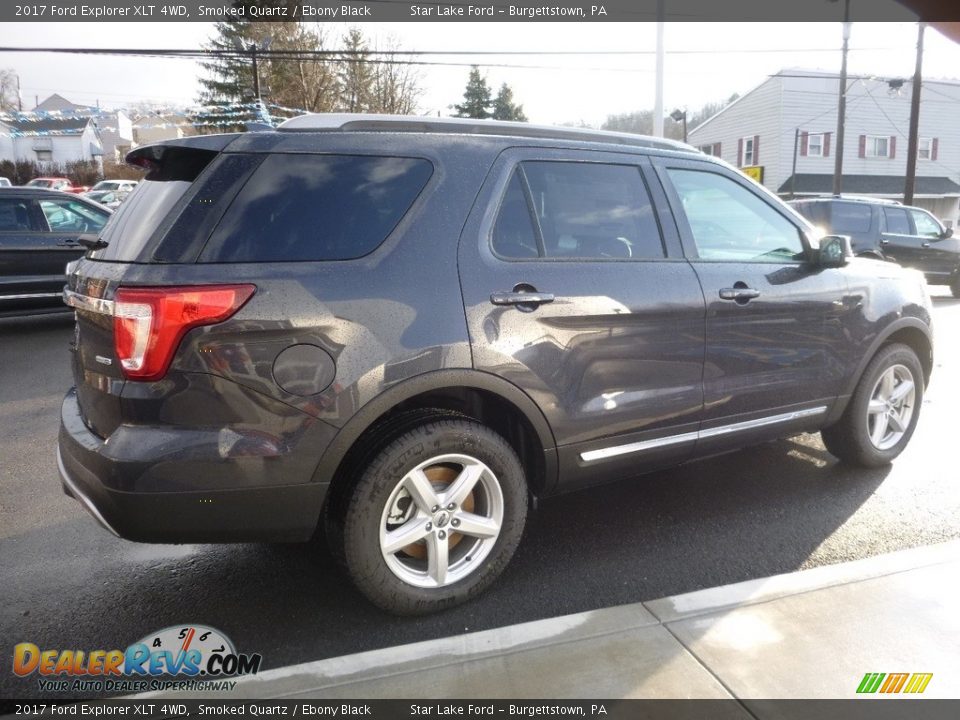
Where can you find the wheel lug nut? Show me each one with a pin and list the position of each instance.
(451, 506)
(442, 534)
(455, 523)
(434, 508)
(429, 526)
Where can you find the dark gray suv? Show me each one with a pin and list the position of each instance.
(400, 330)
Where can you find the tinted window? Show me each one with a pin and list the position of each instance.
(593, 211)
(513, 233)
(897, 222)
(317, 207)
(849, 217)
(72, 216)
(729, 222)
(14, 215)
(926, 225)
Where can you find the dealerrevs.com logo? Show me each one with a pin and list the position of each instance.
(192, 657)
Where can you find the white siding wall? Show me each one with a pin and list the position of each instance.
(756, 113)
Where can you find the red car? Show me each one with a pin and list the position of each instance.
(57, 183)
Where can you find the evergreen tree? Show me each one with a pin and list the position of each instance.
(356, 74)
(504, 108)
(476, 97)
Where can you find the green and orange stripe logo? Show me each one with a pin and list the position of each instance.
(913, 683)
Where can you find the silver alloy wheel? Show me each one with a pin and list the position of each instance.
(891, 407)
(433, 534)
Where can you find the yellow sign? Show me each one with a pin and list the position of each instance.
(754, 172)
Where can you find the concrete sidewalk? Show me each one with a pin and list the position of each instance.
(809, 634)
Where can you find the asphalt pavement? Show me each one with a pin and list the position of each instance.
(67, 583)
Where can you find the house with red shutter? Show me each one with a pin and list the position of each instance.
(783, 134)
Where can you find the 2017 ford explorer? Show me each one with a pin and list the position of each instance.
(400, 330)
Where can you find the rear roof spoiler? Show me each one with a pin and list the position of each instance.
(148, 154)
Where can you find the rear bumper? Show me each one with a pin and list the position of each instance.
(282, 513)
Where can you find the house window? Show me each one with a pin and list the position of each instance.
(710, 149)
(878, 146)
(924, 149)
(749, 153)
(44, 155)
(815, 144)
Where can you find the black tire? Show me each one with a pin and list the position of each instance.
(366, 514)
(849, 439)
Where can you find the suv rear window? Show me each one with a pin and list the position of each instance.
(317, 207)
(850, 217)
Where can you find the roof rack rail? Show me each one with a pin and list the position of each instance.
(467, 126)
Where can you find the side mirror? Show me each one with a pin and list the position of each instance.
(947, 233)
(835, 251)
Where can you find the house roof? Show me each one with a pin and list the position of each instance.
(52, 125)
(822, 184)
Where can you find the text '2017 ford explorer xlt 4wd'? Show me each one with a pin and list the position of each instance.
(402, 329)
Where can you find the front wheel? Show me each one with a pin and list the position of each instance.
(435, 517)
(883, 412)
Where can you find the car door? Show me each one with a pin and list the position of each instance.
(937, 256)
(574, 294)
(899, 241)
(776, 349)
(23, 245)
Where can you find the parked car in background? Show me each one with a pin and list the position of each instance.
(887, 230)
(40, 232)
(122, 188)
(5, 182)
(402, 328)
(107, 198)
(57, 183)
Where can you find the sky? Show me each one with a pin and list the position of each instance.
(705, 62)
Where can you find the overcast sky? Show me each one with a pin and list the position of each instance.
(705, 62)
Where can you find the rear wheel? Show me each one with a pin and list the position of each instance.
(883, 412)
(435, 516)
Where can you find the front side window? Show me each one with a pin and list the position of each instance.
(72, 216)
(897, 221)
(926, 225)
(877, 146)
(728, 222)
(298, 208)
(588, 211)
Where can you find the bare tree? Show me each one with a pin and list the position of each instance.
(9, 95)
(396, 86)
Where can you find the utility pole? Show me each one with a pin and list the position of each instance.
(658, 94)
(842, 105)
(793, 174)
(256, 71)
(914, 120)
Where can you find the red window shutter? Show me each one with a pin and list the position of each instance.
(863, 146)
(740, 152)
(893, 146)
(717, 149)
(826, 144)
(756, 149)
(934, 145)
(804, 139)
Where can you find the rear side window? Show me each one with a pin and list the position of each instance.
(897, 221)
(584, 211)
(849, 218)
(317, 207)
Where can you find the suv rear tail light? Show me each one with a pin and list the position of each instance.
(148, 323)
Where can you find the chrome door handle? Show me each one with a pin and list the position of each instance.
(739, 294)
(521, 298)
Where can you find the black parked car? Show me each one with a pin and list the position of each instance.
(39, 231)
(910, 236)
(400, 329)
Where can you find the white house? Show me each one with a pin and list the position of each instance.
(51, 140)
(783, 133)
(116, 129)
(155, 127)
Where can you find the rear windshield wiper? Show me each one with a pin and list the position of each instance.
(92, 242)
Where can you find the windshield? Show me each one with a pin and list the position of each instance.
(106, 185)
(40, 183)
